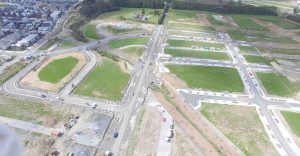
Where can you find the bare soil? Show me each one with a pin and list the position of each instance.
(32, 80)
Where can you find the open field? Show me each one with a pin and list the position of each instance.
(256, 59)
(210, 78)
(235, 35)
(135, 50)
(107, 81)
(29, 111)
(242, 126)
(190, 25)
(197, 54)
(49, 44)
(286, 24)
(126, 14)
(128, 41)
(50, 76)
(53, 72)
(292, 119)
(117, 30)
(185, 43)
(247, 49)
(11, 71)
(212, 20)
(247, 23)
(277, 84)
(67, 44)
(89, 31)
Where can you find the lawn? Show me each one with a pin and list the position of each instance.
(242, 126)
(277, 84)
(286, 51)
(89, 31)
(106, 81)
(118, 43)
(53, 72)
(126, 14)
(134, 50)
(67, 44)
(256, 59)
(197, 54)
(27, 111)
(185, 43)
(293, 120)
(210, 78)
(247, 23)
(11, 71)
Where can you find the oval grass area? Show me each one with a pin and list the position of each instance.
(57, 69)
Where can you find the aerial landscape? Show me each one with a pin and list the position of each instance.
(149, 77)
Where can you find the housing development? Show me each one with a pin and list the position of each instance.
(148, 77)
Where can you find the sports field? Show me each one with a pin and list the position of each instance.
(292, 118)
(106, 81)
(185, 43)
(197, 54)
(210, 78)
(53, 72)
(242, 126)
(118, 43)
(256, 59)
(277, 84)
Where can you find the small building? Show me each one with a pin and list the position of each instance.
(27, 41)
(45, 27)
(55, 15)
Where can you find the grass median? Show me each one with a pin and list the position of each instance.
(292, 119)
(256, 59)
(210, 78)
(106, 81)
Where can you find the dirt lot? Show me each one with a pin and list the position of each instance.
(182, 145)
(32, 80)
(145, 137)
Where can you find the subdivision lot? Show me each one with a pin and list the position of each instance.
(50, 75)
(185, 43)
(247, 23)
(286, 24)
(197, 54)
(210, 78)
(190, 25)
(118, 30)
(128, 41)
(106, 81)
(236, 35)
(242, 126)
(256, 59)
(53, 72)
(247, 49)
(292, 119)
(285, 51)
(277, 84)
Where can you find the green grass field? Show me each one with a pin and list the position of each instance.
(135, 50)
(214, 21)
(89, 31)
(53, 72)
(191, 25)
(247, 49)
(286, 51)
(242, 126)
(116, 30)
(175, 14)
(292, 119)
(211, 78)
(247, 23)
(185, 43)
(256, 59)
(126, 14)
(48, 44)
(128, 41)
(197, 54)
(106, 81)
(276, 84)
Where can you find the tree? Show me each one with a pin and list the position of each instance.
(143, 11)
